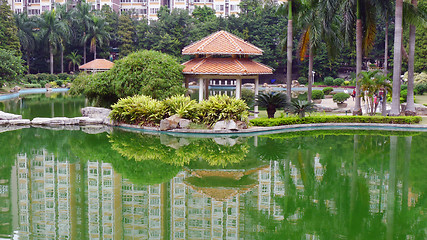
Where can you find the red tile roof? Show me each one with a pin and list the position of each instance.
(97, 64)
(223, 43)
(225, 66)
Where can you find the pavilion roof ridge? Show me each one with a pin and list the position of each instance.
(222, 43)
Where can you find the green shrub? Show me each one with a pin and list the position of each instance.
(403, 95)
(340, 97)
(31, 78)
(329, 81)
(317, 94)
(403, 87)
(181, 105)
(149, 73)
(248, 96)
(346, 83)
(138, 109)
(222, 107)
(421, 88)
(32, 85)
(59, 83)
(270, 122)
(53, 84)
(327, 90)
(338, 81)
(303, 80)
(63, 76)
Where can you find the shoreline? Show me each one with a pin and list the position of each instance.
(8, 96)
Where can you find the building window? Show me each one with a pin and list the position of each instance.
(219, 8)
(45, 8)
(34, 1)
(125, 1)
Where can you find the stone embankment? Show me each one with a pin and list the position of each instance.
(91, 116)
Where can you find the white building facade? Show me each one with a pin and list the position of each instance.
(143, 8)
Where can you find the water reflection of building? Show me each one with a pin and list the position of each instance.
(56, 198)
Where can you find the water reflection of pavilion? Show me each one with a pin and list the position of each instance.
(55, 198)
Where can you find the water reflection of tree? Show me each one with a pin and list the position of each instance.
(338, 205)
(176, 151)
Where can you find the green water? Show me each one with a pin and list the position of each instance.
(57, 184)
(50, 104)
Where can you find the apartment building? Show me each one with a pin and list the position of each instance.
(142, 8)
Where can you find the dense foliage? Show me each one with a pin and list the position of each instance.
(149, 73)
(269, 122)
(10, 66)
(8, 32)
(145, 110)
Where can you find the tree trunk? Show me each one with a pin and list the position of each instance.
(410, 107)
(94, 53)
(84, 49)
(62, 60)
(51, 59)
(384, 103)
(271, 111)
(28, 61)
(357, 106)
(397, 60)
(289, 61)
(310, 73)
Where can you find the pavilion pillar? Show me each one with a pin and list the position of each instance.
(186, 84)
(207, 89)
(238, 88)
(201, 89)
(256, 94)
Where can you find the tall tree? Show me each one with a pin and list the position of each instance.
(25, 27)
(287, 7)
(97, 33)
(64, 15)
(52, 32)
(363, 14)
(8, 32)
(319, 22)
(82, 16)
(397, 60)
(126, 35)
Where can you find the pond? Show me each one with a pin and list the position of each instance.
(49, 104)
(101, 182)
(111, 183)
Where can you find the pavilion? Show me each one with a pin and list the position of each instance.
(97, 65)
(223, 55)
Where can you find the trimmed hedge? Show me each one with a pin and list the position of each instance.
(270, 122)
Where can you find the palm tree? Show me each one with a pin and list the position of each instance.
(97, 34)
(82, 17)
(319, 21)
(287, 7)
(74, 59)
(53, 31)
(63, 15)
(414, 17)
(25, 27)
(397, 60)
(371, 83)
(271, 101)
(365, 13)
